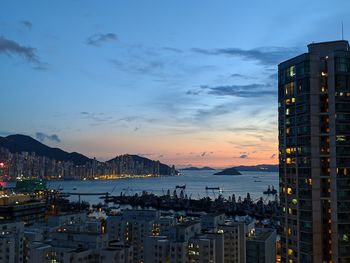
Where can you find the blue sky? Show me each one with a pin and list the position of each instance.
(186, 82)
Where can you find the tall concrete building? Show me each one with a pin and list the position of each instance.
(261, 246)
(314, 147)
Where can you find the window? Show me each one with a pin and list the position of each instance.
(342, 64)
(291, 72)
(289, 89)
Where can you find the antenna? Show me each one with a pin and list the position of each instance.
(342, 30)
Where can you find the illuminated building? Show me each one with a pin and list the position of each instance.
(235, 235)
(261, 246)
(76, 241)
(19, 207)
(132, 228)
(3, 173)
(314, 140)
(11, 242)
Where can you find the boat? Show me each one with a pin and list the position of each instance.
(74, 188)
(181, 186)
(257, 181)
(270, 191)
(212, 188)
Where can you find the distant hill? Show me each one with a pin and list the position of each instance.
(123, 164)
(134, 164)
(197, 168)
(23, 143)
(228, 171)
(258, 168)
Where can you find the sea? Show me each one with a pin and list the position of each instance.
(196, 182)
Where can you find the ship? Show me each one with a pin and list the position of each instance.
(270, 191)
(212, 188)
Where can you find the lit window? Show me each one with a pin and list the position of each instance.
(289, 190)
(294, 201)
(290, 252)
(340, 138)
(291, 71)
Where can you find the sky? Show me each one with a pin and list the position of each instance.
(186, 82)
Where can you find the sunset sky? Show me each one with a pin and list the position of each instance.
(184, 82)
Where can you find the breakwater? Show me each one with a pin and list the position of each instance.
(230, 206)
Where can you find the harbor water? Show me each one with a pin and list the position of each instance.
(196, 182)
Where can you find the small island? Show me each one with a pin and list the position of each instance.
(258, 168)
(228, 171)
(198, 168)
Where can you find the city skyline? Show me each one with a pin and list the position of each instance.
(186, 83)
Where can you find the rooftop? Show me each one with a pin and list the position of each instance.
(262, 235)
(337, 44)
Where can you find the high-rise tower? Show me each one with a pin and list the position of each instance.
(314, 154)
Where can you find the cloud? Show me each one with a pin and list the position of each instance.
(11, 47)
(193, 92)
(176, 50)
(242, 76)
(249, 128)
(243, 91)
(98, 39)
(27, 24)
(243, 156)
(263, 55)
(5, 133)
(145, 154)
(236, 75)
(129, 119)
(96, 117)
(274, 77)
(43, 136)
(139, 67)
(218, 110)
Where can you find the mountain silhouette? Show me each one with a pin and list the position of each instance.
(22, 143)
